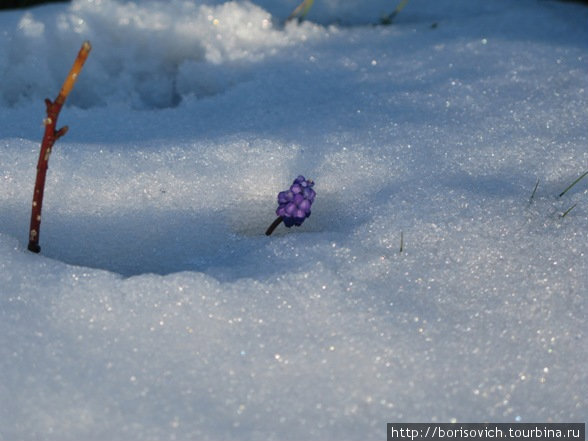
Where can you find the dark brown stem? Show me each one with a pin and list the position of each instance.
(51, 135)
(273, 226)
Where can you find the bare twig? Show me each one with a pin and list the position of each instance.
(51, 135)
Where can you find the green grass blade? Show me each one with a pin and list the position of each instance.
(568, 210)
(389, 18)
(573, 183)
(534, 191)
(301, 10)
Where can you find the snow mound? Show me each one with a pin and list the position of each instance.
(149, 54)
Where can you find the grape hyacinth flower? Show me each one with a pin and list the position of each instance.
(294, 204)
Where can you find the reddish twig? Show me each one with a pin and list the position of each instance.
(51, 135)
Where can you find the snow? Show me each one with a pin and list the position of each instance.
(158, 309)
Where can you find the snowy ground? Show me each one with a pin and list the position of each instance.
(158, 309)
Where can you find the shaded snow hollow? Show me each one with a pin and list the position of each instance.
(158, 309)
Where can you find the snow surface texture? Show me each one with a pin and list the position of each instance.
(158, 309)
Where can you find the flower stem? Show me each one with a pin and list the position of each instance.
(51, 135)
(273, 226)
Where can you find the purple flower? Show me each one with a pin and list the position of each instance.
(294, 204)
